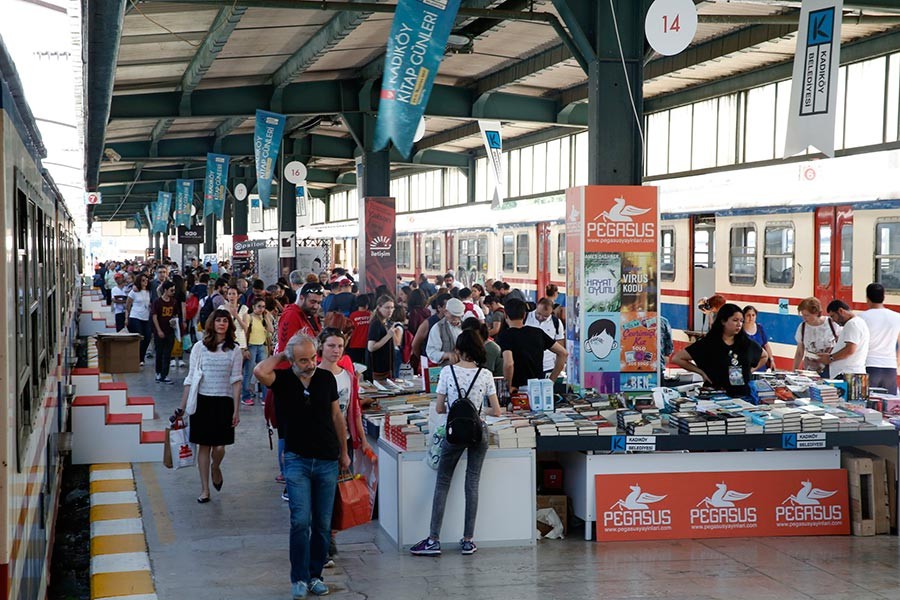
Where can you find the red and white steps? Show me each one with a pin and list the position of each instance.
(95, 316)
(108, 425)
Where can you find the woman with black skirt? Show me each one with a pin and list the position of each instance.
(212, 425)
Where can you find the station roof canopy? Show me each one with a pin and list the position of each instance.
(170, 81)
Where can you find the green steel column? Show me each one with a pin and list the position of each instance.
(287, 213)
(615, 149)
(241, 208)
(209, 234)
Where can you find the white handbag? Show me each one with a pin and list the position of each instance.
(195, 374)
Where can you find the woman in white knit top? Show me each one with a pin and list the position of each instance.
(218, 396)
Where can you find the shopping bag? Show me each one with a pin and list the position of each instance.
(437, 431)
(351, 503)
(177, 350)
(179, 449)
(367, 467)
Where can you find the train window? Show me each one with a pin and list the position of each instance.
(779, 255)
(433, 254)
(473, 254)
(403, 254)
(824, 255)
(887, 255)
(846, 255)
(522, 253)
(561, 253)
(667, 258)
(509, 253)
(704, 247)
(742, 269)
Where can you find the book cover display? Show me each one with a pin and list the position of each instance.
(611, 254)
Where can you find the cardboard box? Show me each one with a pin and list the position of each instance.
(119, 352)
(558, 503)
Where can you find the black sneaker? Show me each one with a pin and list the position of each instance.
(426, 547)
(167, 380)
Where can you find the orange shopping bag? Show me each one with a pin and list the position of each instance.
(351, 502)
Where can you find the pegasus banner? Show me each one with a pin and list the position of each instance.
(414, 51)
(665, 506)
(813, 107)
(612, 294)
(266, 142)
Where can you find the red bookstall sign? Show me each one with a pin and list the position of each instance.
(658, 506)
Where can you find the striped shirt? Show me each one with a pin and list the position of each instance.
(221, 369)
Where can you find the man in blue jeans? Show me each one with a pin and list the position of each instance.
(309, 416)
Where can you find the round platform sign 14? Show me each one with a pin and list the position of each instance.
(295, 172)
(671, 25)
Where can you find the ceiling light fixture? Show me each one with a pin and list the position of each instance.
(459, 43)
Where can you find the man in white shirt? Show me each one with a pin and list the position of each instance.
(884, 337)
(450, 282)
(441, 346)
(542, 317)
(852, 346)
(119, 297)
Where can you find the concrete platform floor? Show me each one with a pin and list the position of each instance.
(236, 547)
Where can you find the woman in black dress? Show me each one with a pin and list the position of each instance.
(216, 368)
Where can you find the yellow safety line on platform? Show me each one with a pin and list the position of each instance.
(120, 563)
(165, 531)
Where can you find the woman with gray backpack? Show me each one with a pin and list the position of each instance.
(462, 387)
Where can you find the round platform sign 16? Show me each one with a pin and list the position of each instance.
(671, 25)
(295, 172)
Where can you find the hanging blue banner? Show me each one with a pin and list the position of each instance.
(214, 189)
(138, 222)
(414, 53)
(163, 207)
(184, 195)
(266, 141)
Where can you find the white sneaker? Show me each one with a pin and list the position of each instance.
(181, 364)
(172, 363)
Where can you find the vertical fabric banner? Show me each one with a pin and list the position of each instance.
(811, 116)
(184, 194)
(147, 213)
(493, 145)
(303, 216)
(163, 206)
(414, 52)
(377, 237)
(615, 312)
(214, 188)
(266, 142)
(137, 221)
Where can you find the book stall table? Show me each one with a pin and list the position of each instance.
(506, 503)
(584, 458)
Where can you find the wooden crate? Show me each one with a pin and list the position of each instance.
(870, 506)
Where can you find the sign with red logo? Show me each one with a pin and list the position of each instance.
(658, 506)
(620, 218)
(377, 228)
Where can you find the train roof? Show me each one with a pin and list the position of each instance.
(12, 100)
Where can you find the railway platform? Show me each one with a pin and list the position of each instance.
(236, 547)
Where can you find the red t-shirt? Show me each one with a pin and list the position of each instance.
(360, 334)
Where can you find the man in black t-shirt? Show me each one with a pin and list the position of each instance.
(310, 420)
(523, 348)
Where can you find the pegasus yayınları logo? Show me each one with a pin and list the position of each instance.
(634, 510)
(806, 506)
(718, 510)
(622, 212)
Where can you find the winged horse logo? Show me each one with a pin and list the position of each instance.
(637, 500)
(808, 495)
(621, 212)
(723, 497)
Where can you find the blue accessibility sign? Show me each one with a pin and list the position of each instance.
(618, 443)
(789, 441)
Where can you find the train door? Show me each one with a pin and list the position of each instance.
(703, 261)
(834, 254)
(416, 255)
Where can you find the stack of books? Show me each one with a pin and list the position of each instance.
(762, 391)
(715, 424)
(824, 394)
(692, 425)
(624, 416)
(790, 419)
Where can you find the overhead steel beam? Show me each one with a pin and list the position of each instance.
(872, 47)
(104, 26)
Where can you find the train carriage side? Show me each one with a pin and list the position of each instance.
(35, 326)
(675, 277)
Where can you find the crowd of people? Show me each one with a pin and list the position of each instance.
(834, 341)
(301, 347)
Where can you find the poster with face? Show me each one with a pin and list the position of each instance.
(574, 257)
(602, 271)
(638, 335)
(601, 343)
